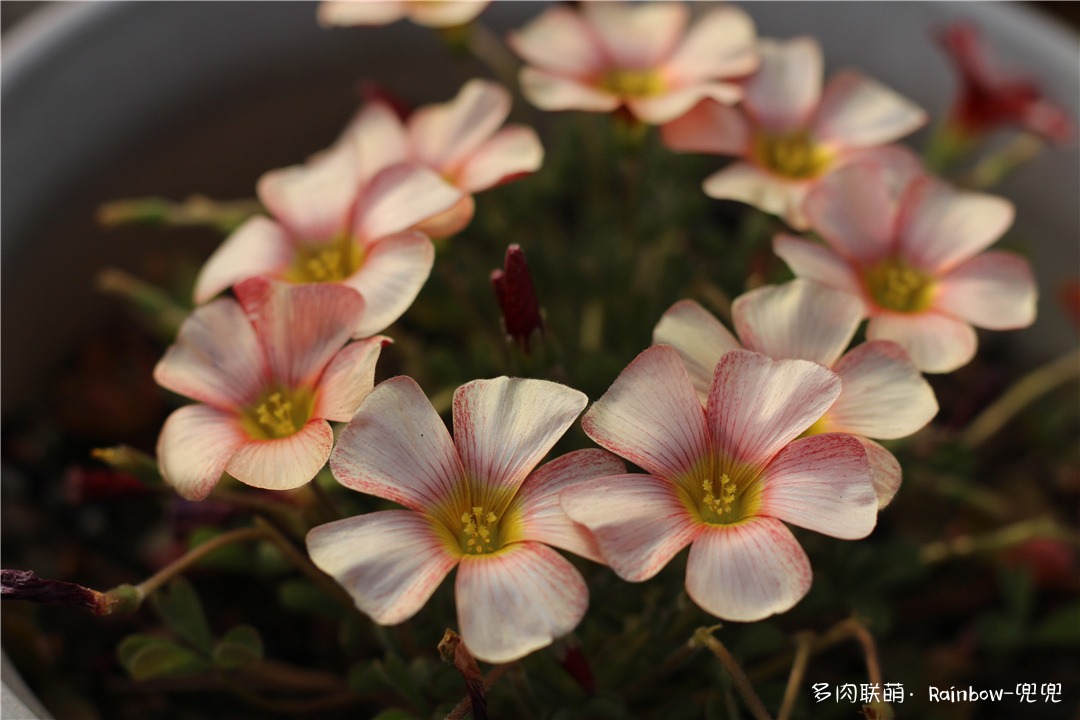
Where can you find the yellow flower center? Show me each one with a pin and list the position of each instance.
(820, 426)
(793, 155)
(279, 413)
(895, 285)
(633, 83)
(331, 262)
(719, 495)
(477, 531)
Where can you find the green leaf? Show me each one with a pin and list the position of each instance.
(240, 646)
(180, 609)
(1060, 629)
(145, 657)
(394, 714)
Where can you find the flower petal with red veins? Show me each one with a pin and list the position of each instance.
(549, 91)
(389, 561)
(504, 426)
(799, 319)
(651, 415)
(709, 127)
(377, 138)
(283, 463)
(300, 327)
(719, 44)
(517, 600)
(393, 272)
(664, 108)
(515, 150)
(543, 518)
(397, 448)
(195, 444)
(941, 227)
(400, 197)
(787, 86)
(884, 395)
(637, 36)
(443, 135)
(753, 186)
(758, 405)
(216, 357)
(747, 571)
(822, 483)
(638, 521)
(558, 41)
(816, 262)
(854, 209)
(856, 111)
(348, 379)
(935, 342)
(699, 338)
(885, 468)
(994, 290)
(258, 247)
(313, 200)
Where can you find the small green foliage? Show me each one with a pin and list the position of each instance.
(180, 610)
(146, 657)
(238, 647)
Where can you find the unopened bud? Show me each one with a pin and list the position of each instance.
(128, 460)
(25, 585)
(517, 298)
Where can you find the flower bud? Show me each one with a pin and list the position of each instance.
(517, 298)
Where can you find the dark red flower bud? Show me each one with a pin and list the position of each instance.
(25, 585)
(517, 297)
(577, 666)
(989, 99)
(372, 91)
(82, 485)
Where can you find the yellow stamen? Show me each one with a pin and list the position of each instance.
(897, 286)
(721, 505)
(331, 262)
(279, 414)
(793, 155)
(633, 83)
(477, 528)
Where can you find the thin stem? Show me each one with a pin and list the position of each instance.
(703, 637)
(330, 509)
(804, 645)
(992, 170)
(303, 564)
(1027, 390)
(486, 47)
(151, 584)
(462, 708)
(942, 550)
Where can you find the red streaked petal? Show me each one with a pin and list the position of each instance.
(935, 342)
(195, 444)
(258, 247)
(393, 272)
(284, 463)
(994, 290)
(699, 338)
(348, 379)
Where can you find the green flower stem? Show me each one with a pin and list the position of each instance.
(197, 210)
(301, 562)
(703, 637)
(148, 586)
(804, 645)
(161, 313)
(991, 170)
(486, 47)
(1041, 527)
(1027, 390)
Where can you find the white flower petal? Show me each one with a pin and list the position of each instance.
(348, 379)
(854, 209)
(699, 338)
(391, 276)
(636, 36)
(753, 186)
(445, 13)
(513, 151)
(721, 44)
(258, 247)
(356, 12)
(558, 41)
(399, 198)
(549, 91)
(785, 91)
(813, 261)
(444, 135)
(313, 200)
(668, 106)
(856, 111)
(378, 140)
(886, 470)
(935, 342)
(284, 463)
(195, 444)
(709, 127)
(994, 290)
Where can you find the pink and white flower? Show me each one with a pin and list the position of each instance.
(914, 258)
(789, 133)
(723, 478)
(882, 394)
(269, 369)
(436, 14)
(339, 220)
(634, 55)
(462, 140)
(473, 502)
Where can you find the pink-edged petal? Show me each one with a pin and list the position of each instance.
(216, 357)
(517, 600)
(558, 41)
(994, 290)
(400, 197)
(258, 247)
(886, 470)
(721, 44)
(636, 35)
(638, 521)
(513, 151)
(709, 127)
(651, 415)
(900, 167)
(300, 327)
(377, 138)
(284, 463)
(753, 186)
(451, 221)
(391, 276)
(758, 405)
(935, 342)
(854, 209)
(313, 200)
(799, 319)
(355, 12)
(883, 396)
(670, 105)
(816, 262)
(822, 483)
(941, 226)
(543, 519)
(445, 13)
(784, 92)
(444, 135)
(699, 338)
(747, 571)
(504, 426)
(548, 91)
(397, 448)
(856, 111)
(195, 444)
(390, 561)
(348, 379)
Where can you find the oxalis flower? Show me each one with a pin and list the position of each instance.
(474, 502)
(723, 478)
(790, 133)
(634, 55)
(437, 14)
(268, 369)
(339, 219)
(463, 140)
(912, 256)
(882, 393)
